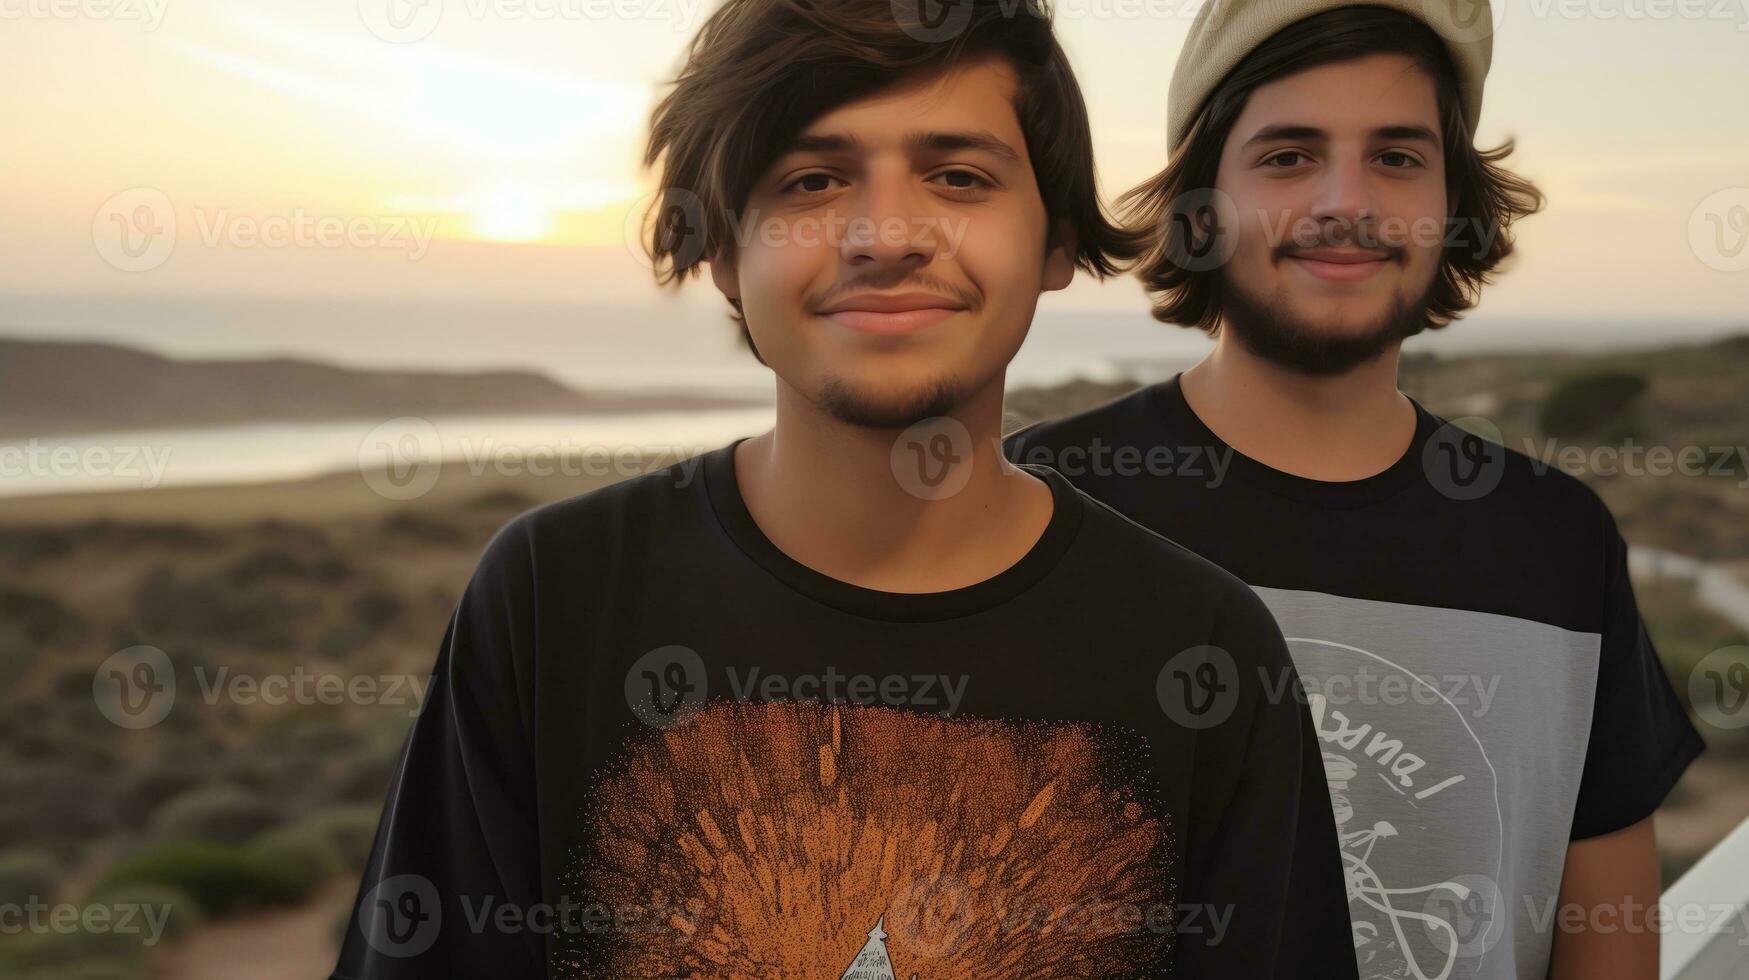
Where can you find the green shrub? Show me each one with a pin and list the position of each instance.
(368, 613)
(17, 813)
(270, 776)
(215, 611)
(351, 829)
(143, 791)
(342, 640)
(120, 537)
(266, 564)
(69, 805)
(228, 814)
(105, 969)
(79, 744)
(30, 622)
(26, 546)
(502, 500)
(43, 953)
(26, 873)
(51, 956)
(184, 912)
(363, 779)
(376, 608)
(316, 734)
(42, 619)
(220, 878)
(410, 524)
(1588, 403)
(301, 845)
(1683, 630)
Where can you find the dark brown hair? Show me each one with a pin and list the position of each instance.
(1485, 196)
(759, 71)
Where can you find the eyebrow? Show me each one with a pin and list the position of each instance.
(1312, 134)
(966, 139)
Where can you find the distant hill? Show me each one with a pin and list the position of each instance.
(58, 388)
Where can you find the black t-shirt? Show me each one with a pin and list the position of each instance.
(1483, 688)
(657, 746)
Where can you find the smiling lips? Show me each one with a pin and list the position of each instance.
(894, 313)
(901, 313)
(1341, 264)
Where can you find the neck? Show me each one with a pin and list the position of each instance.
(826, 493)
(1336, 428)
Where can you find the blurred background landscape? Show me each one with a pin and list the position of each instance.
(301, 300)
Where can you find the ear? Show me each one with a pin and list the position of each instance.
(1060, 257)
(724, 275)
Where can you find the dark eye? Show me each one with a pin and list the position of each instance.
(814, 188)
(974, 181)
(1408, 161)
(1283, 155)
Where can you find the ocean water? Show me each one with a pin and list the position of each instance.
(658, 347)
(268, 452)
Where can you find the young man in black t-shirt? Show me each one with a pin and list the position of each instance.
(856, 698)
(1495, 725)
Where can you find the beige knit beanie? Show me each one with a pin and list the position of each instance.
(1225, 31)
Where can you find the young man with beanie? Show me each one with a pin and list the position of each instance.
(1496, 726)
(857, 698)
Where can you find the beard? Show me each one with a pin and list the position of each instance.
(1272, 332)
(862, 408)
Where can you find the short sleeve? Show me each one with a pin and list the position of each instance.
(459, 838)
(1263, 854)
(1641, 737)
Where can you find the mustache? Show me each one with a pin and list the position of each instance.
(966, 296)
(1342, 234)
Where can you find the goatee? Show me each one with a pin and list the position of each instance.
(1272, 332)
(861, 409)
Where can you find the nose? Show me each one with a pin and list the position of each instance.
(887, 226)
(1344, 196)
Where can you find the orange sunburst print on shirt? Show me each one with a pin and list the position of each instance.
(794, 841)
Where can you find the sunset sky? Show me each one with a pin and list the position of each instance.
(512, 141)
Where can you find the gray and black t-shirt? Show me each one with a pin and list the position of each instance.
(1483, 688)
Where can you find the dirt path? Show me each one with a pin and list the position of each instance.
(292, 944)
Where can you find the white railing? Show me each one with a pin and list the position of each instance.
(1707, 937)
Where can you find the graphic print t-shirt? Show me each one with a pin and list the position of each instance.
(655, 746)
(1483, 689)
